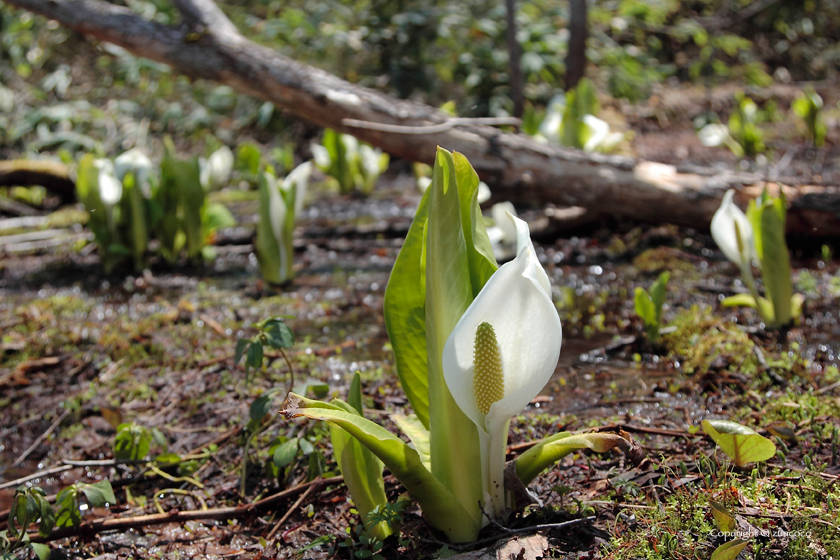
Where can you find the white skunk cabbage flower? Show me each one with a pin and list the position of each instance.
(502, 233)
(501, 354)
(215, 171)
(713, 135)
(136, 161)
(484, 193)
(733, 233)
(553, 120)
(600, 139)
(321, 155)
(110, 188)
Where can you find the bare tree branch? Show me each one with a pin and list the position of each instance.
(517, 168)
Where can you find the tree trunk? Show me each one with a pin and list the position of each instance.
(208, 46)
(578, 31)
(515, 56)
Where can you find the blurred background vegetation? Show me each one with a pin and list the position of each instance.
(62, 92)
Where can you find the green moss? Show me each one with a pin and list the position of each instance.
(701, 338)
(659, 259)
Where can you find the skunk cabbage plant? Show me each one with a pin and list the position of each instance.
(759, 236)
(279, 206)
(352, 164)
(474, 343)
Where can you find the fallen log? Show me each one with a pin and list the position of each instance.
(207, 45)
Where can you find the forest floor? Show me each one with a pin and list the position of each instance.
(82, 352)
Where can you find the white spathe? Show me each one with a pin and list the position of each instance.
(725, 233)
(110, 188)
(215, 171)
(517, 303)
(298, 179)
(136, 161)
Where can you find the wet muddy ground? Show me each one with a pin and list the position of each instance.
(81, 352)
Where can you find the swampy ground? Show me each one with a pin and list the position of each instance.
(82, 352)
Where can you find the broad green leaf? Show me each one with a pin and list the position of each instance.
(482, 263)
(45, 526)
(273, 267)
(411, 426)
(132, 442)
(456, 461)
(723, 519)
(405, 315)
(254, 355)
(361, 469)
(41, 550)
(241, 346)
(440, 506)
(278, 334)
(740, 443)
(644, 306)
(215, 217)
(551, 449)
(99, 494)
(67, 508)
(285, 453)
(260, 407)
(775, 259)
(739, 300)
(658, 292)
(730, 550)
(355, 395)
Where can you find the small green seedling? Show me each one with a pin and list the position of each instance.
(649, 306)
(350, 163)
(808, 107)
(740, 443)
(743, 126)
(729, 550)
(68, 503)
(132, 442)
(272, 332)
(723, 519)
(29, 505)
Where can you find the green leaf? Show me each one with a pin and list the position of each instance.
(551, 449)
(644, 306)
(45, 526)
(456, 461)
(278, 334)
(99, 494)
(132, 442)
(285, 453)
(440, 506)
(354, 397)
(215, 217)
(361, 469)
(658, 292)
(730, 550)
(739, 300)
(723, 519)
(241, 346)
(272, 254)
(260, 408)
(482, 262)
(315, 386)
(775, 259)
(67, 508)
(254, 356)
(418, 434)
(740, 443)
(41, 550)
(405, 314)
(168, 459)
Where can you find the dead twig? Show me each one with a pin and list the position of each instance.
(176, 516)
(40, 439)
(432, 128)
(289, 512)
